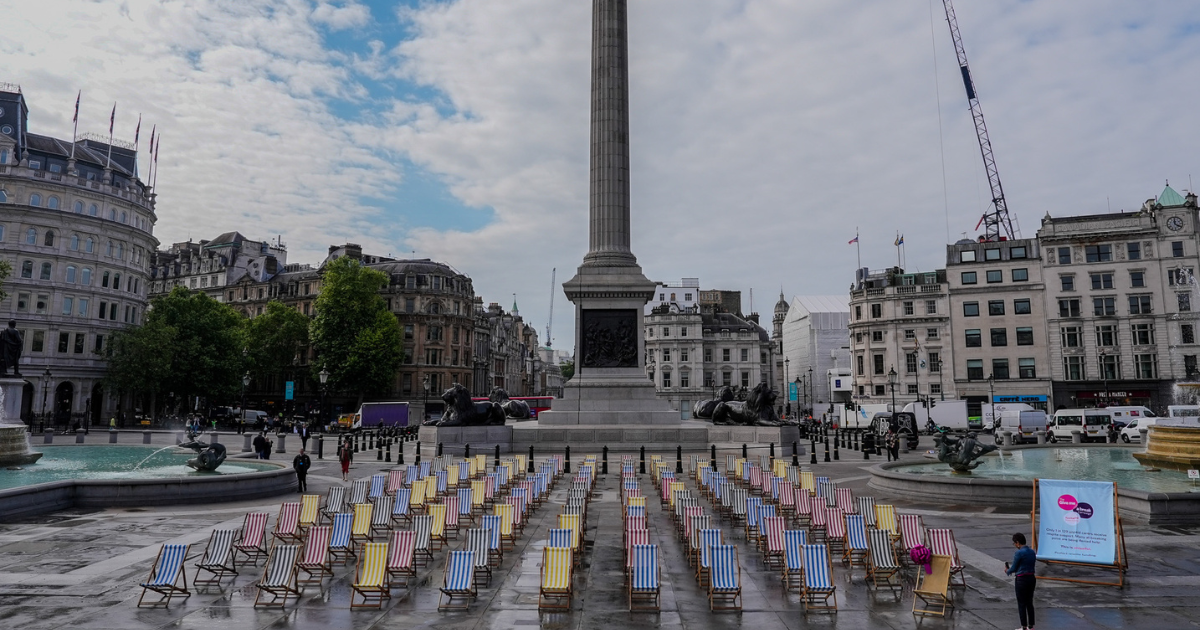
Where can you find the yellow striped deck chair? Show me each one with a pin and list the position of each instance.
(360, 527)
(676, 486)
(480, 464)
(808, 482)
(370, 581)
(430, 488)
(437, 530)
(505, 511)
(521, 464)
(571, 522)
(636, 501)
(555, 592)
(310, 510)
(478, 490)
(416, 499)
(452, 479)
(885, 519)
(779, 469)
(739, 467)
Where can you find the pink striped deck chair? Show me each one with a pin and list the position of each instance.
(816, 527)
(941, 542)
(686, 519)
(756, 479)
(787, 499)
(287, 524)
(395, 481)
(773, 527)
(316, 563)
(634, 537)
(250, 544)
(845, 500)
(912, 532)
(518, 514)
(401, 566)
(804, 507)
(835, 529)
(452, 514)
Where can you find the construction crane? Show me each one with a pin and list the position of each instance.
(996, 222)
(550, 320)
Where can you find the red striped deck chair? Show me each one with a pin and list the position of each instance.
(279, 577)
(218, 557)
(844, 499)
(912, 532)
(395, 481)
(724, 579)
(835, 530)
(518, 523)
(251, 542)
(645, 579)
(941, 542)
(452, 516)
(793, 559)
(459, 581)
(315, 561)
(760, 537)
(401, 563)
(634, 537)
(166, 575)
(756, 480)
(686, 519)
(816, 527)
(773, 527)
(787, 499)
(804, 505)
(370, 580)
(287, 524)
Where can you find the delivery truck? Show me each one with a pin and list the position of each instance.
(947, 414)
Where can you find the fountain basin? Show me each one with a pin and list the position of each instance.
(14, 446)
(1173, 447)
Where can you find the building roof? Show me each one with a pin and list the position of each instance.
(1170, 198)
(228, 238)
(822, 303)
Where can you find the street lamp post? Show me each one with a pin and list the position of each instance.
(785, 382)
(799, 409)
(941, 386)
(892, 381)
(245, 386)
(425, 404)
(1104, 374)
(46, 376)
(812, 387)
(992, 395)
(323, 375)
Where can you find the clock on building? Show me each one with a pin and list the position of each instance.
(1175, 223)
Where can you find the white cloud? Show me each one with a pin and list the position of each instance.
(341, 16)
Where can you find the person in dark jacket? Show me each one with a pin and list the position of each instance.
(302, 463)
(260, 445)
(1022, 567)
(304, 435)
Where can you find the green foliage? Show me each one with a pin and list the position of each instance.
(568, 369)
(355, 337)
(139, 358)
(5, 272)
(206, 352)
(273, 339)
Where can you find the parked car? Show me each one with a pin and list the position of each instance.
(1132, 431)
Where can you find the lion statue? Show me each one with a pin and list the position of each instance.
(515, 409)
(703, 409)
(462, 411)
(758, 410)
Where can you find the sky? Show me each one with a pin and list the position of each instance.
(764, 133)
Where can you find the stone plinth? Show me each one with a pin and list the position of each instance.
(781, 437)
(589, 438)
(453, 439)
(14, 439)
(1171, 447)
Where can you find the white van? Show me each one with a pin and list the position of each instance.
(1024, 424)
(1132, 431)
(1092, 423)
(1125, 415)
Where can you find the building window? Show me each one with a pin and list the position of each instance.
(969, 277)
(1104, 307)
(910, 363)
(27, 269)
(64, 342)
(745, 355)
(859, 365)
(83, 307)
(52, 203)
(1017, 253)
(725, 355)
(1146, 365)
(1072, 336)
(995, 307)
(726, 378)
(930, 307)
(685, 380)
(1068, 283)
(1097, 253)
(974, 338)
(1102, 281)
(80, 338)
(683, 355)
(994, 276)
(47, 271)
(31, 237)
(22, 302)
(1189, 365)
(880, 390)
(970, 309)
(35, 199)
(1185, 302)
(908, 308)
(433, 333)
(39, 341)
(1134, 250)
(1000, 369)
(967, 256)
(683, 331)
(1022, 307)
(89, 245)
(858, 312)
(999, 337)
(878, 360)
(1137, 279)
(876, 310)
(932, 333)
(1026, 368)
(1143, 334)
(909, 335)
(1106, 335)
(1068, 308)
(935, 362)
(666, 331)
(1064, 255)
(1187, 333)
(40, 304)
(708, 355)
(876, 335)
(1139, 305)
(48, 241)
(410, 305)
(1020, 275)
(666, 355)
(991, 254)
(1177, 249)
(1073, 368)
(71, 274)
(935, 389)
(1025, 336)
(912, 390)
(1181, 276)
(666, 378)
(974, 369)
(1110, 367)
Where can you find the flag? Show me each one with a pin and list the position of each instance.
(112, 119)
(137, 132)
(77, 97)
(853, 240)
(899, 240)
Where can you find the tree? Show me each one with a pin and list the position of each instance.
(568, 369)
(274, 338)
(206, 353)
(355, 337)
(139, 359)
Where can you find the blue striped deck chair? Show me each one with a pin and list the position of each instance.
(724, 579)
(760, 537)
(696, 524)
(775, 483)
(424, 470)
(378, 486)
(857, 548)
(335, 503)
(477, 541)
(882, 567)
(464, 472)
(165, 576)
(627, 469)
(370, 580)
(560, 538)
(793, 559)
(358, 491)
(279, 576)
(340, 547)
(400, 506)
(491, 522)
(709, 539)
(555, 591)
(644, 581)
(635, 510)
(411, 474)
(218, 557)
(422, 526)
(751, 528)
(818, 580)
(443, 478)
(459, 581)
(464, 505)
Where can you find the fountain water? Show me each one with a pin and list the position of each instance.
(14, 440)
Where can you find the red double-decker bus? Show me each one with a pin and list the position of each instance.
(537, 404)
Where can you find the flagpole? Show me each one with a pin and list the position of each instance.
(111, 120)
(898, 249)
(137, 134)
(858, 247)
(150, 168)
(75, 120)
(154, 161)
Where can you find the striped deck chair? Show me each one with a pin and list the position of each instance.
(314, 562)
(381, 516)
(633, 537)
(477, 541)
(358, 491)
(416, 497)
(885, 519)
(828, 491)
(912, 533)
(756, 479)
(451, 479)
(431, 489)
(401, 506)
(443, 481)
(737, 513)
(705, 538)
(508, 537)
(279, 577)
(478, 491)
(866, 507)
(489, 489)
(835, 530)
(555, 592)
(685, 520)
(287, 524)
(816, 528)
(459, 581)
(804, 507)
(452, 516)
(644, 579)
(411, 474)
(465, 504)
(370, 580)
(360, 527)
(793, 475)
(165, 576)
(340, 548)
(793, 559)
(695, 524)
(251, 542)
(856, 549)
(818, 580)
(724, 578)
(422, 528)
(218, 557)
(518, 523)
(882, 567)
(787, 499)
(635, 521)
(773, 528)
(941, 542)
(395, 481)
(844, 500)
(423, 470)
(378, 487)
(310, 511)
(437, 526)
(760, 538)
(808, 482)
(572, 522)
(933, 588)
(491, 522)
(725, 506)
(335, 502)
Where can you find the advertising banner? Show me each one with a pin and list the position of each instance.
(792, 392)
(1077, 521)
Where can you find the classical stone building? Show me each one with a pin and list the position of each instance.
(816, 346)
(78, 229)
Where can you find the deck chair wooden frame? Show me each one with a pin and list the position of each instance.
(310, 511)
(458, 582)
(857, 548)
(933, 589)
(341, 549)
(645, 579)
(370, 579)
(835, 530)
(477, 541)
(555, 590)
(882, 567)
(450, 527)
(279, 577)
(165, 576)
(218, 558)
(724, 579)
(252, 539)
(793, 559)
(315, 561)
(941, 541)
(335, 502)
(818, 580)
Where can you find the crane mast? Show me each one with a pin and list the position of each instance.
(996, 221)
(550, 320)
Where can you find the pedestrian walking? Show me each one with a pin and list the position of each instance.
(345, 456)
(260, 445)
(1022, 567)
(892, 443)
(267, 447)
(112, 424)
(304, 435)
(302, 463)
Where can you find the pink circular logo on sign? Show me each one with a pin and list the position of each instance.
(1067, 502)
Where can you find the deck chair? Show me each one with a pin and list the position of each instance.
(866, 507)
(340, 547)
(401, 511)
(705, 540)
(458, 582)
(279, 577)
(633, 538)
(808, 482)
(508, 537)
(315, 562)
(477, 541)
(827, 491)
(572, 522)
(818, 521)
(423, 468)
(773, 529)
(555, 592)
(885, 519)
(644, 579)
(400, 563)
(818, 580)
(804, 508)
(465, 503)
(793, 559)
(787, 499)
(431, 489)
(452, 513)
(491, 523)
(422, 528)
(335, 502)
(941, 542)
(381, 516)
(166, 575)
(287, 524)
(218, 557)
(360, 527)
(443, 481)
(844, 500)
(724, 579)
(416, 497)
(395, 481)
(765, 510)
(370, 580)
(737, 512)
(856, 549)
(251, 542)
(378, 488)
(358, 491)
(310, 511)
(437, 526)
(882, 567)
(912, 533)
(933, 588)
(412, 472)
(517, 503)
(835, 530)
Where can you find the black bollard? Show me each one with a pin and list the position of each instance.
(466, 451)
(529, 466)
(439, 450)
(604, 461)
(387, 453)
(772, 451)
(795, 454)
(678, 460)
(320, 447)
(400, 452)
(813, 459)
(744, 455)
(371, 438)
(355, 440)
(497, 456)
(642, 465)
(844, 445)
(835, 450)
(379, 452)
(417, 456)
(855, 440)
(567, 461)
(714, 457)
(826, 444)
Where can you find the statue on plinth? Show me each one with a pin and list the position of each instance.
(462, 411)
(515, 409)
(758, 410)
(703, 409)
(208, 456)
(11, 344)
(962, 454)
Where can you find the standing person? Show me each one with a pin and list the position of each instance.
(269, 444)
(260, 445)
(345, 456)
(892, 444)
(112, 424)
(304, 436)
(302, 463)
(1022, 567)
